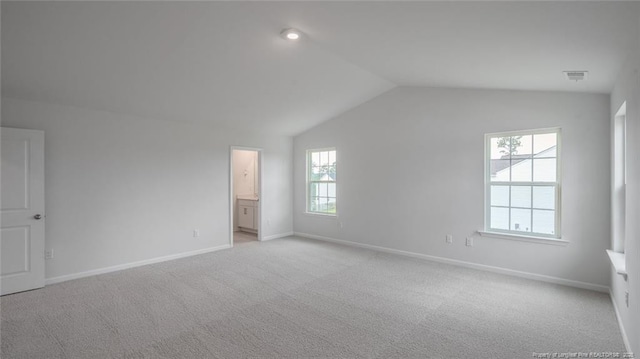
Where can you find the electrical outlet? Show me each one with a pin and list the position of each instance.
(48, 254)
(469, 241)
(196, 233)
(449, 238)
(626, 298)
(340, 224)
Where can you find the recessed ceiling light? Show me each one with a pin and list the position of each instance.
(291, 34)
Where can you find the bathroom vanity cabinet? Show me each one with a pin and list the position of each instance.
(248, 215)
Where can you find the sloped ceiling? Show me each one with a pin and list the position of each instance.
(224, 63)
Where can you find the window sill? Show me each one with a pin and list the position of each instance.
(531, 239)
(619, 263)
(322, 215)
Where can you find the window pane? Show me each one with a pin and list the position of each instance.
(544, 170)
(318, 202)
(313, 204)
(315, 158)
(331, 189)
(332, 157)
(324, 204)
(313, 190)
(544, 221)
(521, 170)
(500, 170)
(520, 146)
(331, 205)
(500, 196)
(521, 196)
(521, 220)
(322, 190)
(324, 158)
(510, 146)
(499, 218)
(544, 197)
(498, 150)
(544, 145)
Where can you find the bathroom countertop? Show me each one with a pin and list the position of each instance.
(249, 197)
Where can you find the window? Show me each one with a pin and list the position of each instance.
(523, 183)
(321, 181)
(619, 182)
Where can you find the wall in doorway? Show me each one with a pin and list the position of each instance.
(122, 189)
(627, 90)
(245, 178)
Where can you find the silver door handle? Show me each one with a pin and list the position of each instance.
(38, 216)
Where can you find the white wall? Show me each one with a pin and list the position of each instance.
(121, 189)
(245, 178)
(628, 89)
(411, 170)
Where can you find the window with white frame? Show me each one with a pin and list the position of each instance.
(321, 181)
(619, 182)
(523, 183)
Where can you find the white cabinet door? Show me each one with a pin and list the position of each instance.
(245, 217)
(22, 184)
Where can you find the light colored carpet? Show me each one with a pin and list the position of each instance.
(295, 298)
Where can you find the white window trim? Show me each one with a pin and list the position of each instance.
(555, 238)
(619, 179)
(524, 238)
(307, 183)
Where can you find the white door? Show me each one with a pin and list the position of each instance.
(22, 210)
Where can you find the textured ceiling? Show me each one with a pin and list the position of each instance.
(224, 63)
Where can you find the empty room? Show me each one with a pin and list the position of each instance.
(320, 179)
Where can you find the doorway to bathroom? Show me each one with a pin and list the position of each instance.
(245, 202)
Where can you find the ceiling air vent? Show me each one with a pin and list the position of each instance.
(575, 75)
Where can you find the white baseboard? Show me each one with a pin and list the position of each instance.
(625, 339)
(119, 267)
(511, 272)
(276, 236)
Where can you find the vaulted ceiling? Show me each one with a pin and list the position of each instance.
(224, 62)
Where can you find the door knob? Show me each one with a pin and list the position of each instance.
(37, 216)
